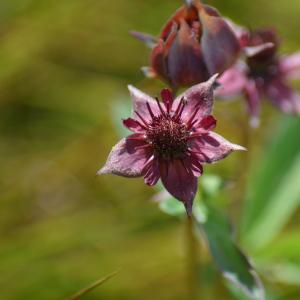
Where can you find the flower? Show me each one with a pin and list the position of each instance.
(195, 43)
(170, 140)
(264, 73)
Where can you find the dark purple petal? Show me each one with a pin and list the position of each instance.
(219, 44)
(253, 99)
(174, 20)
(290, 65)
(158, 59)
(198, 97)
(240, 32)
(207, 123)
(211, 147)
(171, 38)
(283, 96)
(151, 172)
(196, 166)
(127, 158)
(179, 181)
(134, 125)
(160, 51)
(140, 101)
(232, 81)
(185, 62)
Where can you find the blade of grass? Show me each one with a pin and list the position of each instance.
(87, 289)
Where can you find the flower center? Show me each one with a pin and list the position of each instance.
(263, 70)
(168, 136)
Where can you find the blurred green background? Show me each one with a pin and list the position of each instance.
(64, 67)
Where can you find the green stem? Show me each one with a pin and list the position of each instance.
(242, 171)
(193, 280)
(87, 289)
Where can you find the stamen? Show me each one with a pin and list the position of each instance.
(191, 152)
(136, 137)
(167, 98)
(199, 152)
(168, 136)
(190, 121)
(142, 119)
(142, 147)
(194, 135)
(178, 107)
(181, 110)
(150, 110)
(160, 108)
(144, 127)
(193, 123)
(148, 162)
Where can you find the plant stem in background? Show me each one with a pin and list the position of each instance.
(192, 252)
(97, 283)
(243, 170)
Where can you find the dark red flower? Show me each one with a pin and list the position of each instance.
(264, 73)
(193, 45)
(171, 141)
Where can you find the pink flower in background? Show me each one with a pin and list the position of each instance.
(195, 43)
(171, 140)
(264, 73)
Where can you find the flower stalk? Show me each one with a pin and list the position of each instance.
(192, 257)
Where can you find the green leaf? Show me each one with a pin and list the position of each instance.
(274, 191)
(281, 259)
(228, 257)
(238, 295)
(172, 207)
(286, 246)
(211, 185)
(283, 272)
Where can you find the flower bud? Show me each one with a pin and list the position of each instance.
(195, 43)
